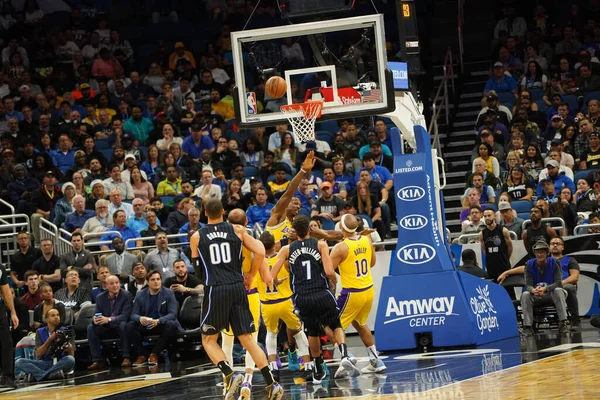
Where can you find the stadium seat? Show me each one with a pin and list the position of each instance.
(325, 136)
(331, 126)
(490, 206)
(542, 106)
(590, 96)
(101, 145)
(143, 150)
(523, 215)
(250, 171)
(287, 177)
(507, 99)
(107, 153)
(536, 94)
(167, 200)
(317, 174)
(581, 175)
(522, 206)
(571, 100)
(83, 320)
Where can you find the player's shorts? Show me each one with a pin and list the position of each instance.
(355, 305)
(254, 305)
(281, 309)
(317, 309)
(226, 305)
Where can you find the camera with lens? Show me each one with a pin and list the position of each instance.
(63, 337)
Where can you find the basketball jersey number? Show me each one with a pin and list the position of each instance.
(362, 267)
(306, 264)
(220, 253)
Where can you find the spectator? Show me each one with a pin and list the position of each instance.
(80, 260)
(582, 141)
(224, 156)
(116, 183)
(486, 193)
(555, 156)
(48, 266)
(48, 303)
(511, 23)
(139, 90)
(587, 82)
(554, 131)
(129, 163)
(49, 365)
(500, 82)
(187, 191)
(534, 78)
(208, 190)
(594, 112)
(508, 218)
(328, 206)
(106, 65)
(137, 221)
(102, 221)
(469, 264)
(219, 107)
(115, 306)
(183, 284)
(590, 159)
(63, 206)
(557, 153)
(33, 297)
(180, 54)
(153, 317)
(536, 231)
(565, 209)
(532, 160)
(168, 137)
(280, 183)
(472, 199)
(234, 198)
(73, 296)
(142, 189)
(492, 124)
(139, 282)
(22, 260)
(261, 211)
(378, 173)
(121, 262)
(202, 89)
(502, 113)
(366, 203)
(78, 218)
(558, 180)
(305, 195)
(116, 204)
(584, 197)
(473, 225)
(139, 126)
(103, 272)
(22, 187)
(517, 186)
(543, 283)
(548, 191)
(196, 143)
(120, 220)
(64, 156)
(163, 256)
(485, 153)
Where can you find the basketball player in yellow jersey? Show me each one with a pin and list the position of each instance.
(276, 301)
(354, 257)
(288, 207)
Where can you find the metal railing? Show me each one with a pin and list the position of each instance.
(172, 243)
(583, 229)
(448, 69)
(467, 236)
(560, 221)
(10, 225)
(460, 19)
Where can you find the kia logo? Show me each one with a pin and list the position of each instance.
(416, 253)
(411, 193)
(413, 222)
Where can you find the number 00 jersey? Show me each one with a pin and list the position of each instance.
(275, 292)
(306, 267)
(220, 252)
(355, 270)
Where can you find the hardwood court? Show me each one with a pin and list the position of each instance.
(541, 367)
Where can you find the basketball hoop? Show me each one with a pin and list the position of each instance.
(302, 117)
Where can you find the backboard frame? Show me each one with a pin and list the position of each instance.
(374, 21)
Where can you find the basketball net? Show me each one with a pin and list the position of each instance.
(302, 117)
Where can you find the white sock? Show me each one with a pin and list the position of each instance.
(248, 378)
(271, 343)
(249, 361)
(302, 343)
(227, 346)
(336, 348)
(372, 352)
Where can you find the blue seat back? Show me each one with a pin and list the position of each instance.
(571, 100)
(250, 171)
(581, 175)
(522, 206)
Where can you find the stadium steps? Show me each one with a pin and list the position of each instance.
(461, 139)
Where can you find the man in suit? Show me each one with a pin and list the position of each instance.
(139, 275)
(154, 313)
(121, 262)
(115, 305)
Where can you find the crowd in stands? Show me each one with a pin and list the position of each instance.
(100, 136)
(538, 133)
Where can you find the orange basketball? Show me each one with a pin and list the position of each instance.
(276, 87)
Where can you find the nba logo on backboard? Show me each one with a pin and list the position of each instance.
(251, 103)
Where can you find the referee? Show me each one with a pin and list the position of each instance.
(8, 358)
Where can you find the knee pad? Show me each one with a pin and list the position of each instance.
(302, 343)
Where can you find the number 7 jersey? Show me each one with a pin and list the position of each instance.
(220, 251)
(355, 270)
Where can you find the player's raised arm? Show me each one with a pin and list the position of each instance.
(327, 265)
(282, 257)
(279, 210)
(317, 233)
